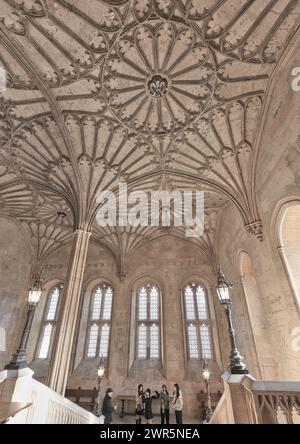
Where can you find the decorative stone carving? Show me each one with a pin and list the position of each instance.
(165, 61)
(158, 86)
(14, 23)
(256, 229)
(135, 88)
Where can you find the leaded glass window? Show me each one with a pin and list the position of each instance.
(49, 321)
(148, 322)
(100, 319)
(197, 322)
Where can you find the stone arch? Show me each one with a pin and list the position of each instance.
(287, 235)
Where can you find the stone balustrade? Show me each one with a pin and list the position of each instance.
(220, 414)
(45, 406)
(277, 402)
(247, 401)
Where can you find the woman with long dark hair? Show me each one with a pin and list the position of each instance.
(139, 404)
(164, 405)
(178, 404)
(148, 405)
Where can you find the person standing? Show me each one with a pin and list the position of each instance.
(107, 407)
(178, 404)
(139, 404)
(148, 405)
(164, 405)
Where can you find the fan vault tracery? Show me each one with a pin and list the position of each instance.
(133, 90)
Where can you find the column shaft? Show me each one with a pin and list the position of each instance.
(64, 337)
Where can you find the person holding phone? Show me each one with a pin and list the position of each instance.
(148, 404)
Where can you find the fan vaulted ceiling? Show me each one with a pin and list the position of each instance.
(162, 94)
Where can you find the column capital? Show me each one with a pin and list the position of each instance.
(83, 233)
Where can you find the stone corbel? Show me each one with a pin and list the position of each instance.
(256, 228)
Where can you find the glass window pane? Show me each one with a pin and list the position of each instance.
(142, 342)
(154, 305)
(54, 297)
(97, 304)
(189, 303)
(92, 345)
(46, 341)
(107, 304)
(154, 341)
(142, 304)
(205, 342)
(104, 341)
(193, 342)
(201, 303)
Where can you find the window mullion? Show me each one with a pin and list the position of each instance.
(199, 339)
(195, 305)
(148, 323)
(102, 305)
(100, 324)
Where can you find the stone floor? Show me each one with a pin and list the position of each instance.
(128, 419)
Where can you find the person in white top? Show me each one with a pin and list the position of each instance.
(178, 404)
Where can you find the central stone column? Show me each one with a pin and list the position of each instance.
(64, 337)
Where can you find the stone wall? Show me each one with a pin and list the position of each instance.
(15, 267)
(169, 263)
(277, 183)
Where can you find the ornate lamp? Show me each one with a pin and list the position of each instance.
(18, 360)
(237, 366)
(100, 371)
(100, 375)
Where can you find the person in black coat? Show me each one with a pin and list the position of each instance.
(147, 399)
(108, 408)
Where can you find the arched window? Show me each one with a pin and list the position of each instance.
(290, 245)
(49, 321)
(148, 322)
(99, 322)
(197, 322)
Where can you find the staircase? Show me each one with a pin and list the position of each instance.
(247, 401)
(23, 400)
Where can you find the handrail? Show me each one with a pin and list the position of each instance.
(277, 402)
(46, 406)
